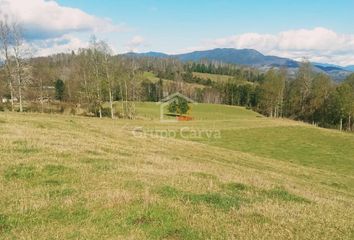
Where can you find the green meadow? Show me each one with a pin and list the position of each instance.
(228, 174)
(218, 78)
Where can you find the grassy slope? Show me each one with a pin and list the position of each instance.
(213, 77)
(70, 177)
(152, 77)
(217, 77)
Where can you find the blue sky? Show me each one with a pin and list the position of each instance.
(170, 25)
(227, 15)
(320, 30)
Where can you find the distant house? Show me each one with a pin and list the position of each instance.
(172, 98)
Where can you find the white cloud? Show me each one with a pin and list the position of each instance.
(135, 43)
(45, 19)
(63, 44)
(318, 44)
(50, 28)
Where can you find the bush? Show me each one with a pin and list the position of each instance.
(179, 106)
(106, 112)
(32, 107)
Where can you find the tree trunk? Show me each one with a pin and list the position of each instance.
(99, 102)
(349, 122)
(341, 124)
(10, 81)
(5, 38)
(20, 97)
(111, 102)
(109, 86)
(98, 92)
(19, 82)
(126, 110)
(12, 97)
(17, 37)
(86, 88)
(42, 103)
(69, 90)
(122, 96)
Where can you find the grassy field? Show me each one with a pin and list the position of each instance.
(217, 77)
(152, 77)
(213, 77)
(65, 177)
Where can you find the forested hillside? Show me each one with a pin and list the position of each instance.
(81, 83)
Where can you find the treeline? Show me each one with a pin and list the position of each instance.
(91, 79)
(248, 74)
(94, 81)
(310, 97)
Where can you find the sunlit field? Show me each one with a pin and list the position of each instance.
(67, 177)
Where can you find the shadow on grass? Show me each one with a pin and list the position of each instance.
(233, 196)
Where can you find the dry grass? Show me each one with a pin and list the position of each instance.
(65, 177)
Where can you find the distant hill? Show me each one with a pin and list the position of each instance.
(248, 57)
(328, 67)
(148, 54)
(338, 73)
(349, 68)
(252, 58)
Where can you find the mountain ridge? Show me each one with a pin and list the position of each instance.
(251, 58)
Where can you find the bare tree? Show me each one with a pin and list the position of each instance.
(22, 68)
(95, 62)
(106, 51)
(17, 68)
(5, 41)
(131, 89)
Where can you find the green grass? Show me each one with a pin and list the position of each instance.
(218, 77)
(302, 145)
(215, 200)
(19, 172)
(199, 112)
(151, 77)
(66, 177)
(161, 222)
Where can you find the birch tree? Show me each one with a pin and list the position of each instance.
(22, 70)
(95, 62)
(107, 67)
(5, 42)
(271, 93)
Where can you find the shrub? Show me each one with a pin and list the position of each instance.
(32, 107)
(179, 106)
(106, 112)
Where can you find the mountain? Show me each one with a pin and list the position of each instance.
(349, 68)
(246, 57)
(252, 58)
(327, 66)
(331, 67)
(338, 73)
(148, 54)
